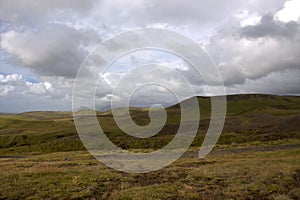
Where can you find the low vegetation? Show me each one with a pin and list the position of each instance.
(257, 156)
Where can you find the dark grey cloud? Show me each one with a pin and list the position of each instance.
(256, 51)
(281, 83)
(268, 27)
(53, 50)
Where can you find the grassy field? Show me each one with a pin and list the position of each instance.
(257, 156)
(223, 175)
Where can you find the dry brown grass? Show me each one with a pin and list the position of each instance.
(71, 175)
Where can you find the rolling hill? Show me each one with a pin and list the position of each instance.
(251, 118)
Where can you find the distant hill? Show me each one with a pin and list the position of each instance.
(250, 118)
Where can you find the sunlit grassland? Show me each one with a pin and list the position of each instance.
(78, 175)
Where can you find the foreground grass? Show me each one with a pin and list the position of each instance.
(76, 175)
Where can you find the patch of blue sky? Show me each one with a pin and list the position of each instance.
(7, 26)
(7, 68)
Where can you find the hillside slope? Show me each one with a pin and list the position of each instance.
(250, 118)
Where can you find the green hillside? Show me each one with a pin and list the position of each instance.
(251, 118)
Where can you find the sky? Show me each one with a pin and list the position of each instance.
(254, 45)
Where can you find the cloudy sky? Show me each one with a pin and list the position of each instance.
(254, 44)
